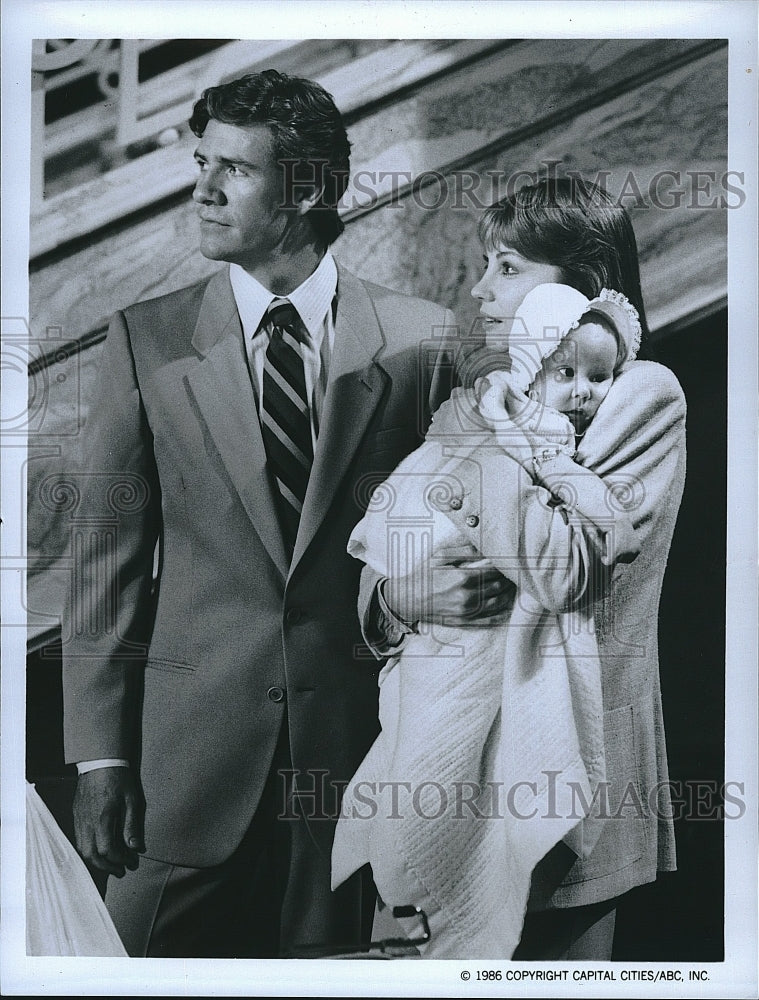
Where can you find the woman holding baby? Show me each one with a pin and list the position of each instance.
(533, 749)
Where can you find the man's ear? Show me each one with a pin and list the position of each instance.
(307, 203)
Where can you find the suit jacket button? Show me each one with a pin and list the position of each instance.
(293, 616)
(456, 503)
(472, 521)
(276, 693)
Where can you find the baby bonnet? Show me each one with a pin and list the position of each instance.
(550, 311)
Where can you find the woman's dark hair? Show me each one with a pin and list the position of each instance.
(577, 227)
(308, 131)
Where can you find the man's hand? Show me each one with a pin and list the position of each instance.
(459, 593)
(108, 818)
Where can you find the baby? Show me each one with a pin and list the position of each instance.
(565, 352)
(490, 711)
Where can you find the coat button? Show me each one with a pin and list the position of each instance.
(456, 504)
(472, 521)
(293, 616)
(276, 693)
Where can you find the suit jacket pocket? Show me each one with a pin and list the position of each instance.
(171, 666)
(620, 803)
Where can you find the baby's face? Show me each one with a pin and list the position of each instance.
(577, 377)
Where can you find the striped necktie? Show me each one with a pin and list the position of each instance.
(286, 422)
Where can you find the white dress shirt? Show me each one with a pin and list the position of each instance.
(313, 299)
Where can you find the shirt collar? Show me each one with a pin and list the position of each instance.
(312, 298)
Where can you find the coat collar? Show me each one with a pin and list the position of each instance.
(354, 388)
(224, 395)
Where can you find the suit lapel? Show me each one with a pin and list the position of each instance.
(224, 394)
(354, 389)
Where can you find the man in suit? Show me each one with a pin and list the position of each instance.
(215, 709)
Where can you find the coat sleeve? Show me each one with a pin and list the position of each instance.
(636, 444)
(544, 535)
(115, 526)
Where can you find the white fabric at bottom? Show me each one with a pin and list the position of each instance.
(64, 912)
(464, 792)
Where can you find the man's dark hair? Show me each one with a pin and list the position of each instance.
(308, 131)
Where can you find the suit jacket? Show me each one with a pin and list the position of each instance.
(190, 678)
(638, 440)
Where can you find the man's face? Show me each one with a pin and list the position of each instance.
(239, 194)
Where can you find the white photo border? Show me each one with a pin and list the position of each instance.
(731, 19)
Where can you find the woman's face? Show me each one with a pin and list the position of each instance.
(507, 279)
